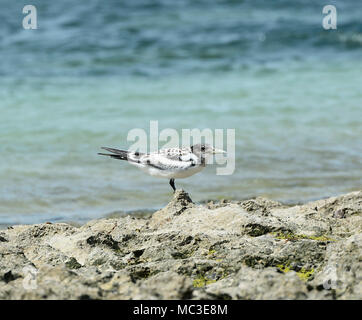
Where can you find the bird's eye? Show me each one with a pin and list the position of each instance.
(202, 148)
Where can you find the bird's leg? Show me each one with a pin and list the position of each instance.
(172, 184)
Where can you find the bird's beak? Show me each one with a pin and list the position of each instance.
(218, 151)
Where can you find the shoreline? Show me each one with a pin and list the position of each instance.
(250, 249)
(142, 212)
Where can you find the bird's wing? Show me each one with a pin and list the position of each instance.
(169, 162)
(131, 156)
(177, 154)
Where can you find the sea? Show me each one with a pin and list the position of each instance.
(94, 70)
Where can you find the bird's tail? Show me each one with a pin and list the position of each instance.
(115, 153)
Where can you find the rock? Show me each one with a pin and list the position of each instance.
(180, 202)
(253, 249)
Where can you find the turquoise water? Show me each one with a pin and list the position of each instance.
(91, 73)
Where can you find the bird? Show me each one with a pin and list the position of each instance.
(169, 163)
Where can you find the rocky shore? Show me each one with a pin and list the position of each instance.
(253, 249)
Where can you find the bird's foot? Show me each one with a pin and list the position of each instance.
(172, 184)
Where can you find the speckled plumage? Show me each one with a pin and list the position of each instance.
(171, 163)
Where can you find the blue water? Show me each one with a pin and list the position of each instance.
(93, 71)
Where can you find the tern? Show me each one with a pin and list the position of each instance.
(171, 163)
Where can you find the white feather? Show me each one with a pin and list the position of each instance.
(168, 163)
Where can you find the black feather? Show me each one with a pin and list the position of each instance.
(116, 153)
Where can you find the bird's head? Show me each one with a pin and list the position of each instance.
(204, 149)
